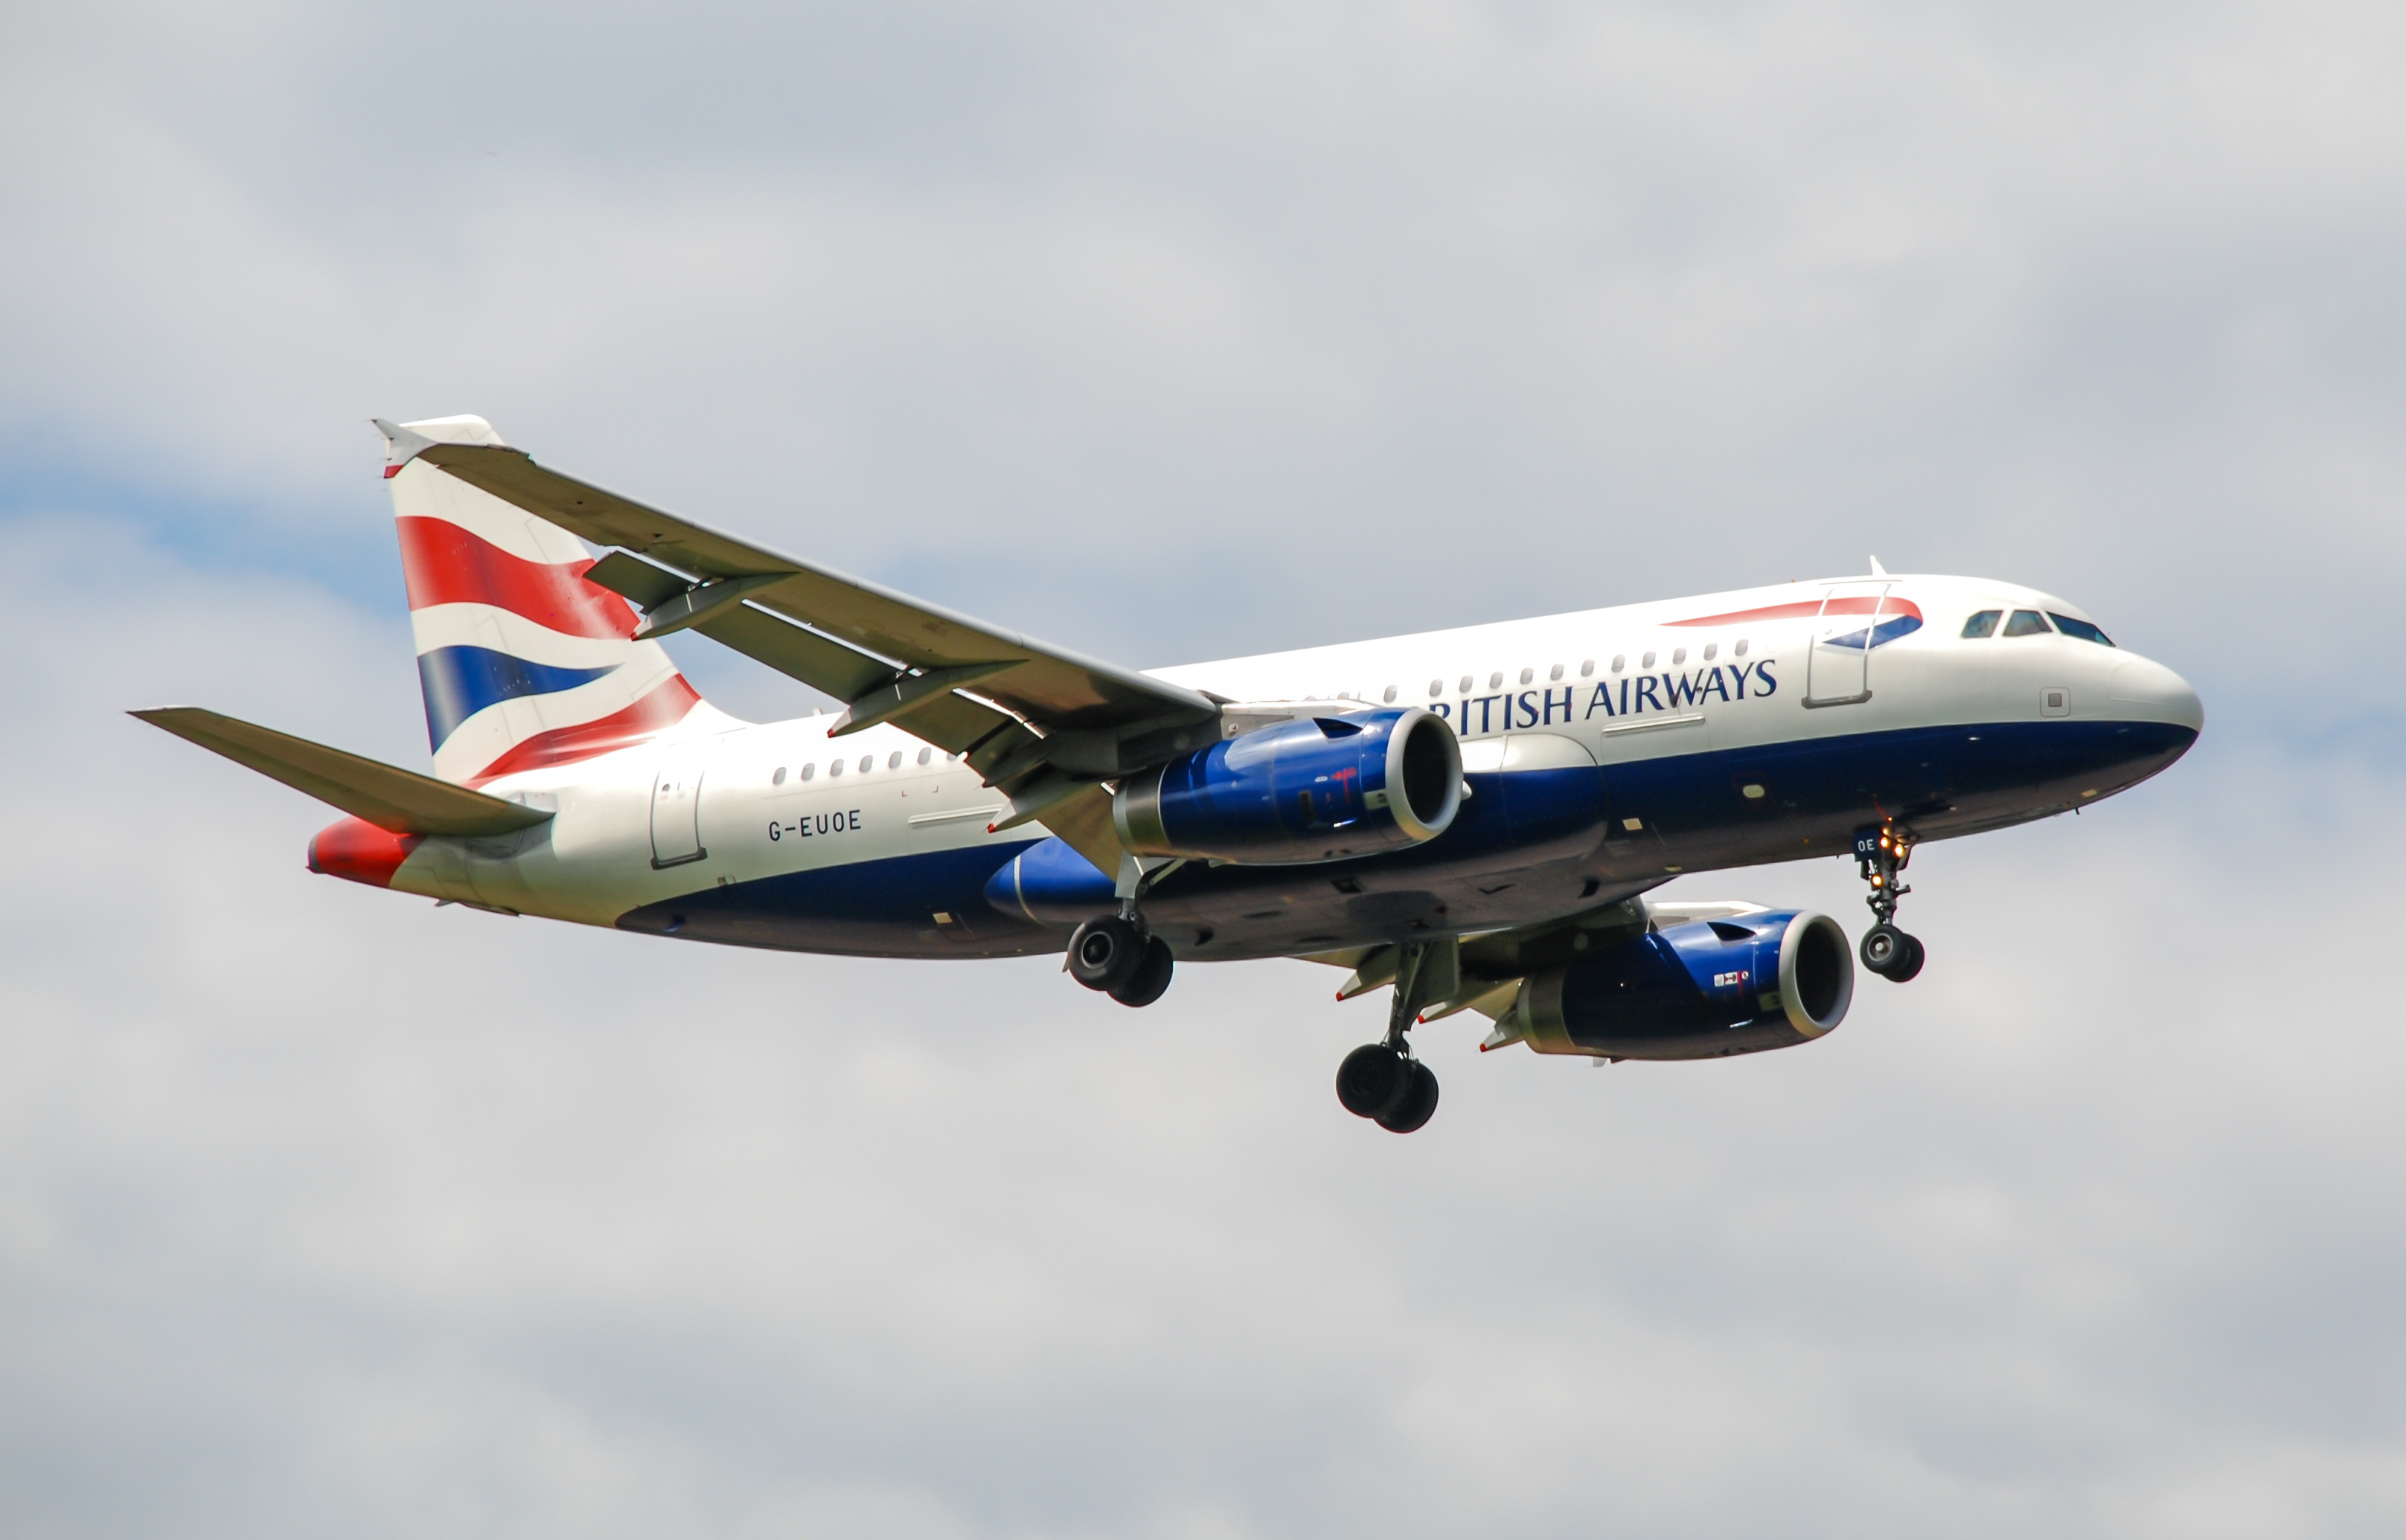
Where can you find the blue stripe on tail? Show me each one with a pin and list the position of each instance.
(460, 682)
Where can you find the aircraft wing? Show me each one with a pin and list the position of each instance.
(1482, 972)
(1041, 723)
(1046, 685)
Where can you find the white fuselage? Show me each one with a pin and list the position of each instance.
(1669, 718)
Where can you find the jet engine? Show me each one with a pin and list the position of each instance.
(1318, 789)
(1762, 979)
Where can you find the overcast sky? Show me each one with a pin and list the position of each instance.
(1172, 332)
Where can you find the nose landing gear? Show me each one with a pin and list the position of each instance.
(1381, 1081)
(1881, 855)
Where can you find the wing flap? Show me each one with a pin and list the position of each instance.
(392, 799)
(1083, 822)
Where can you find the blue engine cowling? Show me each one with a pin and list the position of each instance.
(1320, 789)
(1761, 980)
(1052, 884)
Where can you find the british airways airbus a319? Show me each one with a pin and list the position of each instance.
(1469, 818)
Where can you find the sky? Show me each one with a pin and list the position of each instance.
(1171, 332)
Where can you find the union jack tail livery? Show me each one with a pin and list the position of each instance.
(523, 663)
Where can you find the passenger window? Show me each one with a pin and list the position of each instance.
(1586, 667)
(1679, 656)
(1982, 623)
(778, 779)
(1556, 673)
(1739, 650)
(2081, 629)
(1436, 687)
(1390, 696)
(866, 762)
(1466, 684)
(1712, 650)
(2026, 622)
(925, 754)
(1527, 674)
(1646, 661)
(1495, 680)
(835, 767)
(1618, 659)
(894, 760)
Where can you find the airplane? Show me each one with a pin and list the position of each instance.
(1472, 819)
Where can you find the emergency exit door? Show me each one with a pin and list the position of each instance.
(676, 805)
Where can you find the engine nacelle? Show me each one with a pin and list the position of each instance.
(1756, 980)
(1319, 789)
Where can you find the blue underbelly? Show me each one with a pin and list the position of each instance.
(1528, 845)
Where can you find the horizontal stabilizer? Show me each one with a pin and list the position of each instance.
(401, 801)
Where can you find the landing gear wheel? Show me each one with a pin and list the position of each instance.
(1892, 953)
(1151, 979)
(1883, 948)
(1417, 1105)
(1913, 957)
(1374, 1080)
(1106, 952)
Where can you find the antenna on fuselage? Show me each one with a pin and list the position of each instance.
(1878, 571)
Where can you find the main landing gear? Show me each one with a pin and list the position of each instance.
(1881, 855)
(1118, 953)
(1381, 1081)
(1115, 954)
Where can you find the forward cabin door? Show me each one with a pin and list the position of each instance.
(1837, 671)
(676, 805)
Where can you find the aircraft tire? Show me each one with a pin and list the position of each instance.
(1913, 957)
(1151, 979)
(1883, 949)
(1372, 1080)
(1105, 952)
(1417, 1104)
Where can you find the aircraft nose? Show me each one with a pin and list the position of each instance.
(2144, 688)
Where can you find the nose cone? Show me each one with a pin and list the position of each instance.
(2146, 691)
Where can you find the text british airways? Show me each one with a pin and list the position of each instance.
(1631, 696)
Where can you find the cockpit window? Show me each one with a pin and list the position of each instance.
(1982, 623)
(2026, 622)
(2080, 628)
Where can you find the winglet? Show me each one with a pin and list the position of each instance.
(406, 440)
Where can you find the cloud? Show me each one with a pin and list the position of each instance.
(1180, 334)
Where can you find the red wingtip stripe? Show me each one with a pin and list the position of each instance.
(444, 564)
(663, 708)
(1887, 608)
(391, 471)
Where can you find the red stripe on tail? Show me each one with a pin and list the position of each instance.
(446, 564)
(663, 708)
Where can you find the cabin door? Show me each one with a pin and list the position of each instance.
(1837, 671)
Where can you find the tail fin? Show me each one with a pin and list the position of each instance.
(523, 663)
